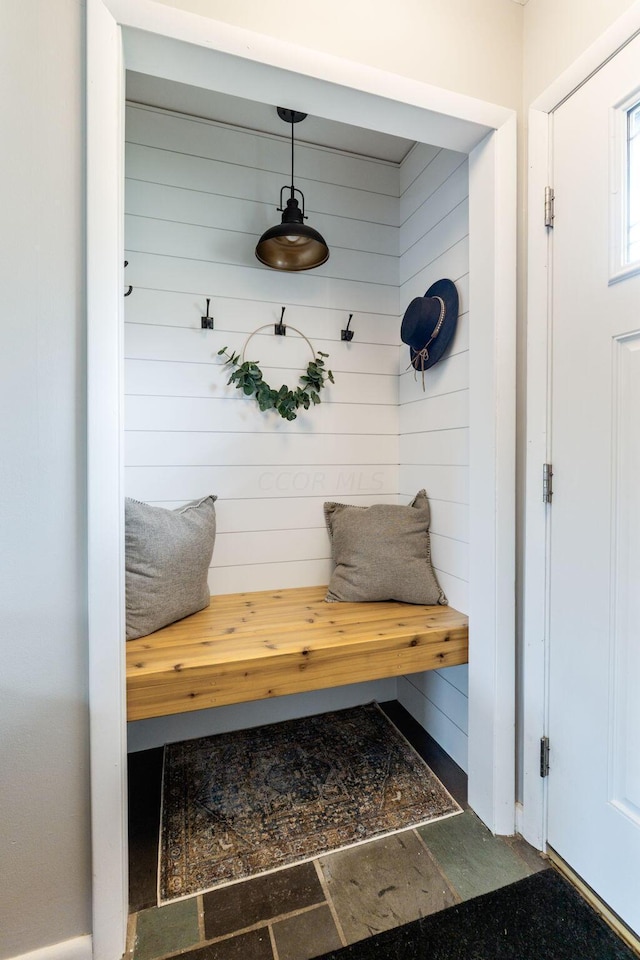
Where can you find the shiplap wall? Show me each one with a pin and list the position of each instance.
(433, 424)
(199, 195)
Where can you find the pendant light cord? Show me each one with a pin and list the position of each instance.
(292, 155)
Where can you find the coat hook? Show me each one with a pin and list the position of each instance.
(206, 322)
(279, 328)
(129, 288)
(347, 334)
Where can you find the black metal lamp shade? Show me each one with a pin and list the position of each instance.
(291, 244)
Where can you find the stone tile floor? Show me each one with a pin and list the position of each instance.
(306, 910)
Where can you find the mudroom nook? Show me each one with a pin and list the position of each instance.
(199, 192)
(401, 204)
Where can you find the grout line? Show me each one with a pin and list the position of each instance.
(330, 904)
(261, 924)
(274, 945)
(440, 869)
(132, 927)
(200, 907)
(297, 913)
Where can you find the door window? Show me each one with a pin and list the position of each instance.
(632, 225)
(625, 191)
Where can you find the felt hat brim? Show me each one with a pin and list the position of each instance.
(446, 290)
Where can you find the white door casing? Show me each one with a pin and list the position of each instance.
(535, 666)
(594, 570)
(167, 42)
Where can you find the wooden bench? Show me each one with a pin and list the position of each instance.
(251, 646)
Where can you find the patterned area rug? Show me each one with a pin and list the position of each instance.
(249, 802)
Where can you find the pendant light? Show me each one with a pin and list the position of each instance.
(291, 245)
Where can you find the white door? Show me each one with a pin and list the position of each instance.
(594, 629)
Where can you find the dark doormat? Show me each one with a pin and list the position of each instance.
(539, 918)
(249, 802)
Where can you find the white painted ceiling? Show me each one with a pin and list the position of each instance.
(197, 102)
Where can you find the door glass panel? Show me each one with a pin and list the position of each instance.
(633, 185)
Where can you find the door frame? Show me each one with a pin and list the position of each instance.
(162, 40)
(532, 821)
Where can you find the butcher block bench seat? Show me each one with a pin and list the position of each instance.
(252, 646)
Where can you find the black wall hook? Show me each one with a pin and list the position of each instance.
(279, 328)
(129, 288)
(347, 334)
(207, 321)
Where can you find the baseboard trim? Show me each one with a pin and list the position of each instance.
(79, 948)
(607, 914)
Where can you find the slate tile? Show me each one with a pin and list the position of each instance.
(254, 945)
(255, 901)
(168, 929)
(384, 883)
(474, 861)
(534, 860)
(306, 935)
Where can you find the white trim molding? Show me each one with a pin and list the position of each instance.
(105, 398)
(492, 351)
(163, 41)
(539, 319)
(79, 948)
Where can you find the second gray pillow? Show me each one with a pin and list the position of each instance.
(382, 552)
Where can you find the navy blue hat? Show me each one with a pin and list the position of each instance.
(429, 324)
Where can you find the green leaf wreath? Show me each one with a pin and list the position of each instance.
(248, 378)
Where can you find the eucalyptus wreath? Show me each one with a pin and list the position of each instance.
(248, 377)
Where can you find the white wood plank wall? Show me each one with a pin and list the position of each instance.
(199, 194)
(434, 423)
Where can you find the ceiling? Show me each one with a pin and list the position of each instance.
(197, 102)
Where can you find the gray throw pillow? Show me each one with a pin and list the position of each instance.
(167, 557)
(382, 552)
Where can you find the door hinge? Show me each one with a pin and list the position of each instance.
(544, 756)
(547, 483)
(549, 206)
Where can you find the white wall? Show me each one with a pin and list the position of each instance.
(555, 34)
(470, 46)
(434, 421)
(44, 785)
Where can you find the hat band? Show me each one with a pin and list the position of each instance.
(423, 355)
